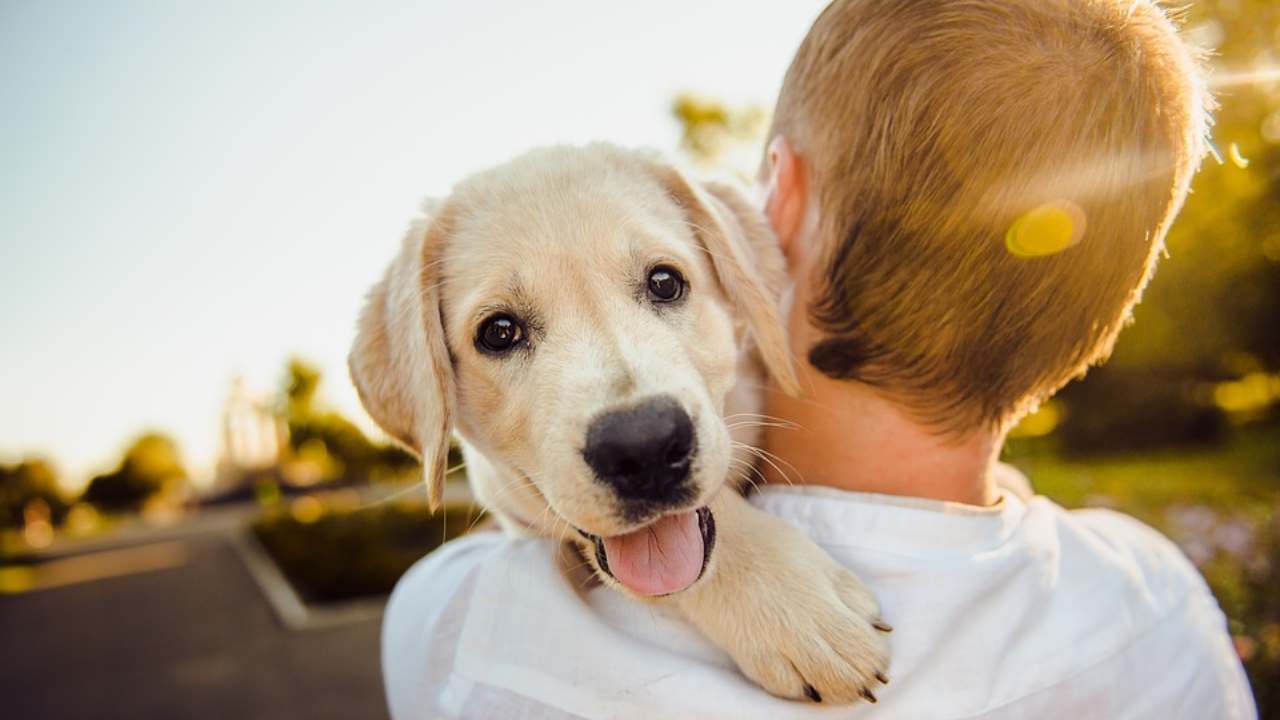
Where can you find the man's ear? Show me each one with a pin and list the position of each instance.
(399, 362)
(786, 195)
(744, 254)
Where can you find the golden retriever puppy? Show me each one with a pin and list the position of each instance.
(595, 328)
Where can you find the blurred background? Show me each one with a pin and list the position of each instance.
(194, 511)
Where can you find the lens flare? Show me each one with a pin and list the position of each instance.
(1237, 158)
(1045, 230)
(1259, 76)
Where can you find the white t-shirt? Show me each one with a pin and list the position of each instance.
(1021, 610)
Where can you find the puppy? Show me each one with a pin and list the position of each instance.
(595, 327)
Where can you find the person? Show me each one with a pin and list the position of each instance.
(971, 196)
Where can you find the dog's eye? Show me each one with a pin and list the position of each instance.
(665, 284)
(498, 334)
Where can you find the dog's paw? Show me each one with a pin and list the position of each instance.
(815, 636)
(795, 621)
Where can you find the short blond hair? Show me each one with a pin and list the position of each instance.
(928, 129)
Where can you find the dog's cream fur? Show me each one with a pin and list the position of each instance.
(564, 237)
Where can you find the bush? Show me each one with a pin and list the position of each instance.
(331, 555)
(359, 458)
(151, 466)
(27, 482)
(345, 452)
(1118, 409)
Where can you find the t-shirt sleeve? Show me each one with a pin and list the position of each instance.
(422, 618)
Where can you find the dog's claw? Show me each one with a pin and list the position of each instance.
(867, 694)
(884, 680)
(882, 626)
(829, 654)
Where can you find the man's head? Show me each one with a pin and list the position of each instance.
(975, 192)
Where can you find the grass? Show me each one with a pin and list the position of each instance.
(1240, 477)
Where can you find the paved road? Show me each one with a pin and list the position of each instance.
(193, 641)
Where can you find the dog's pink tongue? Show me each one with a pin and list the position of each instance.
(659, 559)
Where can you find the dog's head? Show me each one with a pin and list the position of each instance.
(577, 315)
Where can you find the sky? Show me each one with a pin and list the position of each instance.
(193, 192)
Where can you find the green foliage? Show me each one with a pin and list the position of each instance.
(1261, 609)
(1210, 313)
(302, 380)
(151, 466)
(343, 554)
(345, 451)
(716, 135)
(29, 481)
(1121, 409)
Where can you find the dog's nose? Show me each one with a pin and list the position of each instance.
(644, 452)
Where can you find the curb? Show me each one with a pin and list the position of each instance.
(289, 607)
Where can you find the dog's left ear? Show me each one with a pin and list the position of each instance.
(747, 261)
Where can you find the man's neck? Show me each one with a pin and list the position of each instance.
(847, 436)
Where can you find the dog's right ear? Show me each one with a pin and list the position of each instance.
(729, 229)
(399, 361)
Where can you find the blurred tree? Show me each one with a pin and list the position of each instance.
(1214, 299)
(1261, 619)
(302, 379)
(330, 442)
(29, 481)
(715, 135)
(1210, 314)
(151, 467)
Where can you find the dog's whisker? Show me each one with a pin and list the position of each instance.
(761, 416)
(591, 577)
(415, 487)
(786, 476)
(782, 460)
(776, 456)
(542, 517)
(560, 533)
(752, 423)
(756, 452)
(768, 457)
(479, 517)
(752, 469)
(744, 468)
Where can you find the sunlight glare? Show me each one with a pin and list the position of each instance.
(1045, 230)
(1246, 77)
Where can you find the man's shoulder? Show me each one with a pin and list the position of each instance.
(496, 622)
(1104, 541)
(1169, 630)
(1038, 608)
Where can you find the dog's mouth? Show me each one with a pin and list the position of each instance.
(661, 558)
